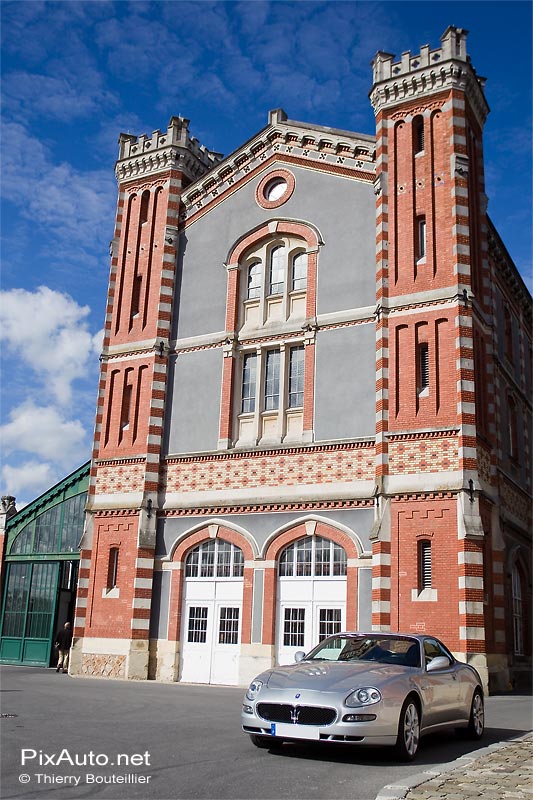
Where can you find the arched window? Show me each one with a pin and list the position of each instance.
(215, 559)
(277, 270)
(418, 134)
(299, 272)
(312, 557)
(255, 275)
(145, 201)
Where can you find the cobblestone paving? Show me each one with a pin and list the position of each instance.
(505, 772)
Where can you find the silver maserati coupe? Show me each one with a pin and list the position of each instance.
(365, 689)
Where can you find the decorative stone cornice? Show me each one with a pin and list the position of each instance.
(430, 72)
(144, 155)
(311, 145)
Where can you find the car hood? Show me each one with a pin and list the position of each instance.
(332, 676)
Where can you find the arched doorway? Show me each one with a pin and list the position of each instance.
(212, 613)
(311, 595)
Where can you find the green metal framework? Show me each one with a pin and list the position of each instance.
(40, 571)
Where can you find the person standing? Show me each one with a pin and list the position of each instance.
(63, 643)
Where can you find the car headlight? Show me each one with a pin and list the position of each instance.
(254, 689)
(363, 697)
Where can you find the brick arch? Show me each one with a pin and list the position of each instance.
(181, 548)
(288, 536)
(299, 530)
(178, 578)
(279, 227)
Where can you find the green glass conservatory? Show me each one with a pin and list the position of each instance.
(41, 570)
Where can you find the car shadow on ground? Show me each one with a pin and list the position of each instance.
(434, 749)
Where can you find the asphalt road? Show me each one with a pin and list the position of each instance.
(177, 741)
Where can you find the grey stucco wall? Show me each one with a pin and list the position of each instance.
(342, 209)
(345, 383)
(195, 381)
(261, 526)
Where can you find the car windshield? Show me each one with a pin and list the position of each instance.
(399, 650)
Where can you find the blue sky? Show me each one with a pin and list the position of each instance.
(76, 74)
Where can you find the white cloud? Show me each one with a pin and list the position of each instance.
(45, 432)
(68, 204)
(57, 343)
(28, 480)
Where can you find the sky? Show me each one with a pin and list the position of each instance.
(76, 74)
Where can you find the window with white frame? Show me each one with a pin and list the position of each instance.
(215, 559)
(294, 627)
(313, 556)
(271, 394)
(274, 277)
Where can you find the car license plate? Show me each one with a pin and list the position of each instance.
(294, 731)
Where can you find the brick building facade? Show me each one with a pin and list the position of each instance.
(314, 409)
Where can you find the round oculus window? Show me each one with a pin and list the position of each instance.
(275, 189)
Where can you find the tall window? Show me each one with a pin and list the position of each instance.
(248, 383)
(423, 367)
(296, 377)
(272, 380)
(512, 428)
(145, 202)
(312, 556)
(277, 270)
(112, 568)
(508, 333)
(421, 238)
(418, 134)
(255, 278)
(424, 565)
(516, 586)
(299, 271)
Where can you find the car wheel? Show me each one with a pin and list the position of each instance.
(476, 723)
(265, 742)
(408, 731)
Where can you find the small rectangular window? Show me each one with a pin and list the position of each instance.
(294, 627)
(248, 383)
(228, 632)
(329, 622)
(197, 629)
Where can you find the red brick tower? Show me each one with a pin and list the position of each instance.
(118, 546)
(429, 547)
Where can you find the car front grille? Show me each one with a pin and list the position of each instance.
(303, 715)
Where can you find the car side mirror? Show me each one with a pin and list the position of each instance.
(299, 656)
(440, 662)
